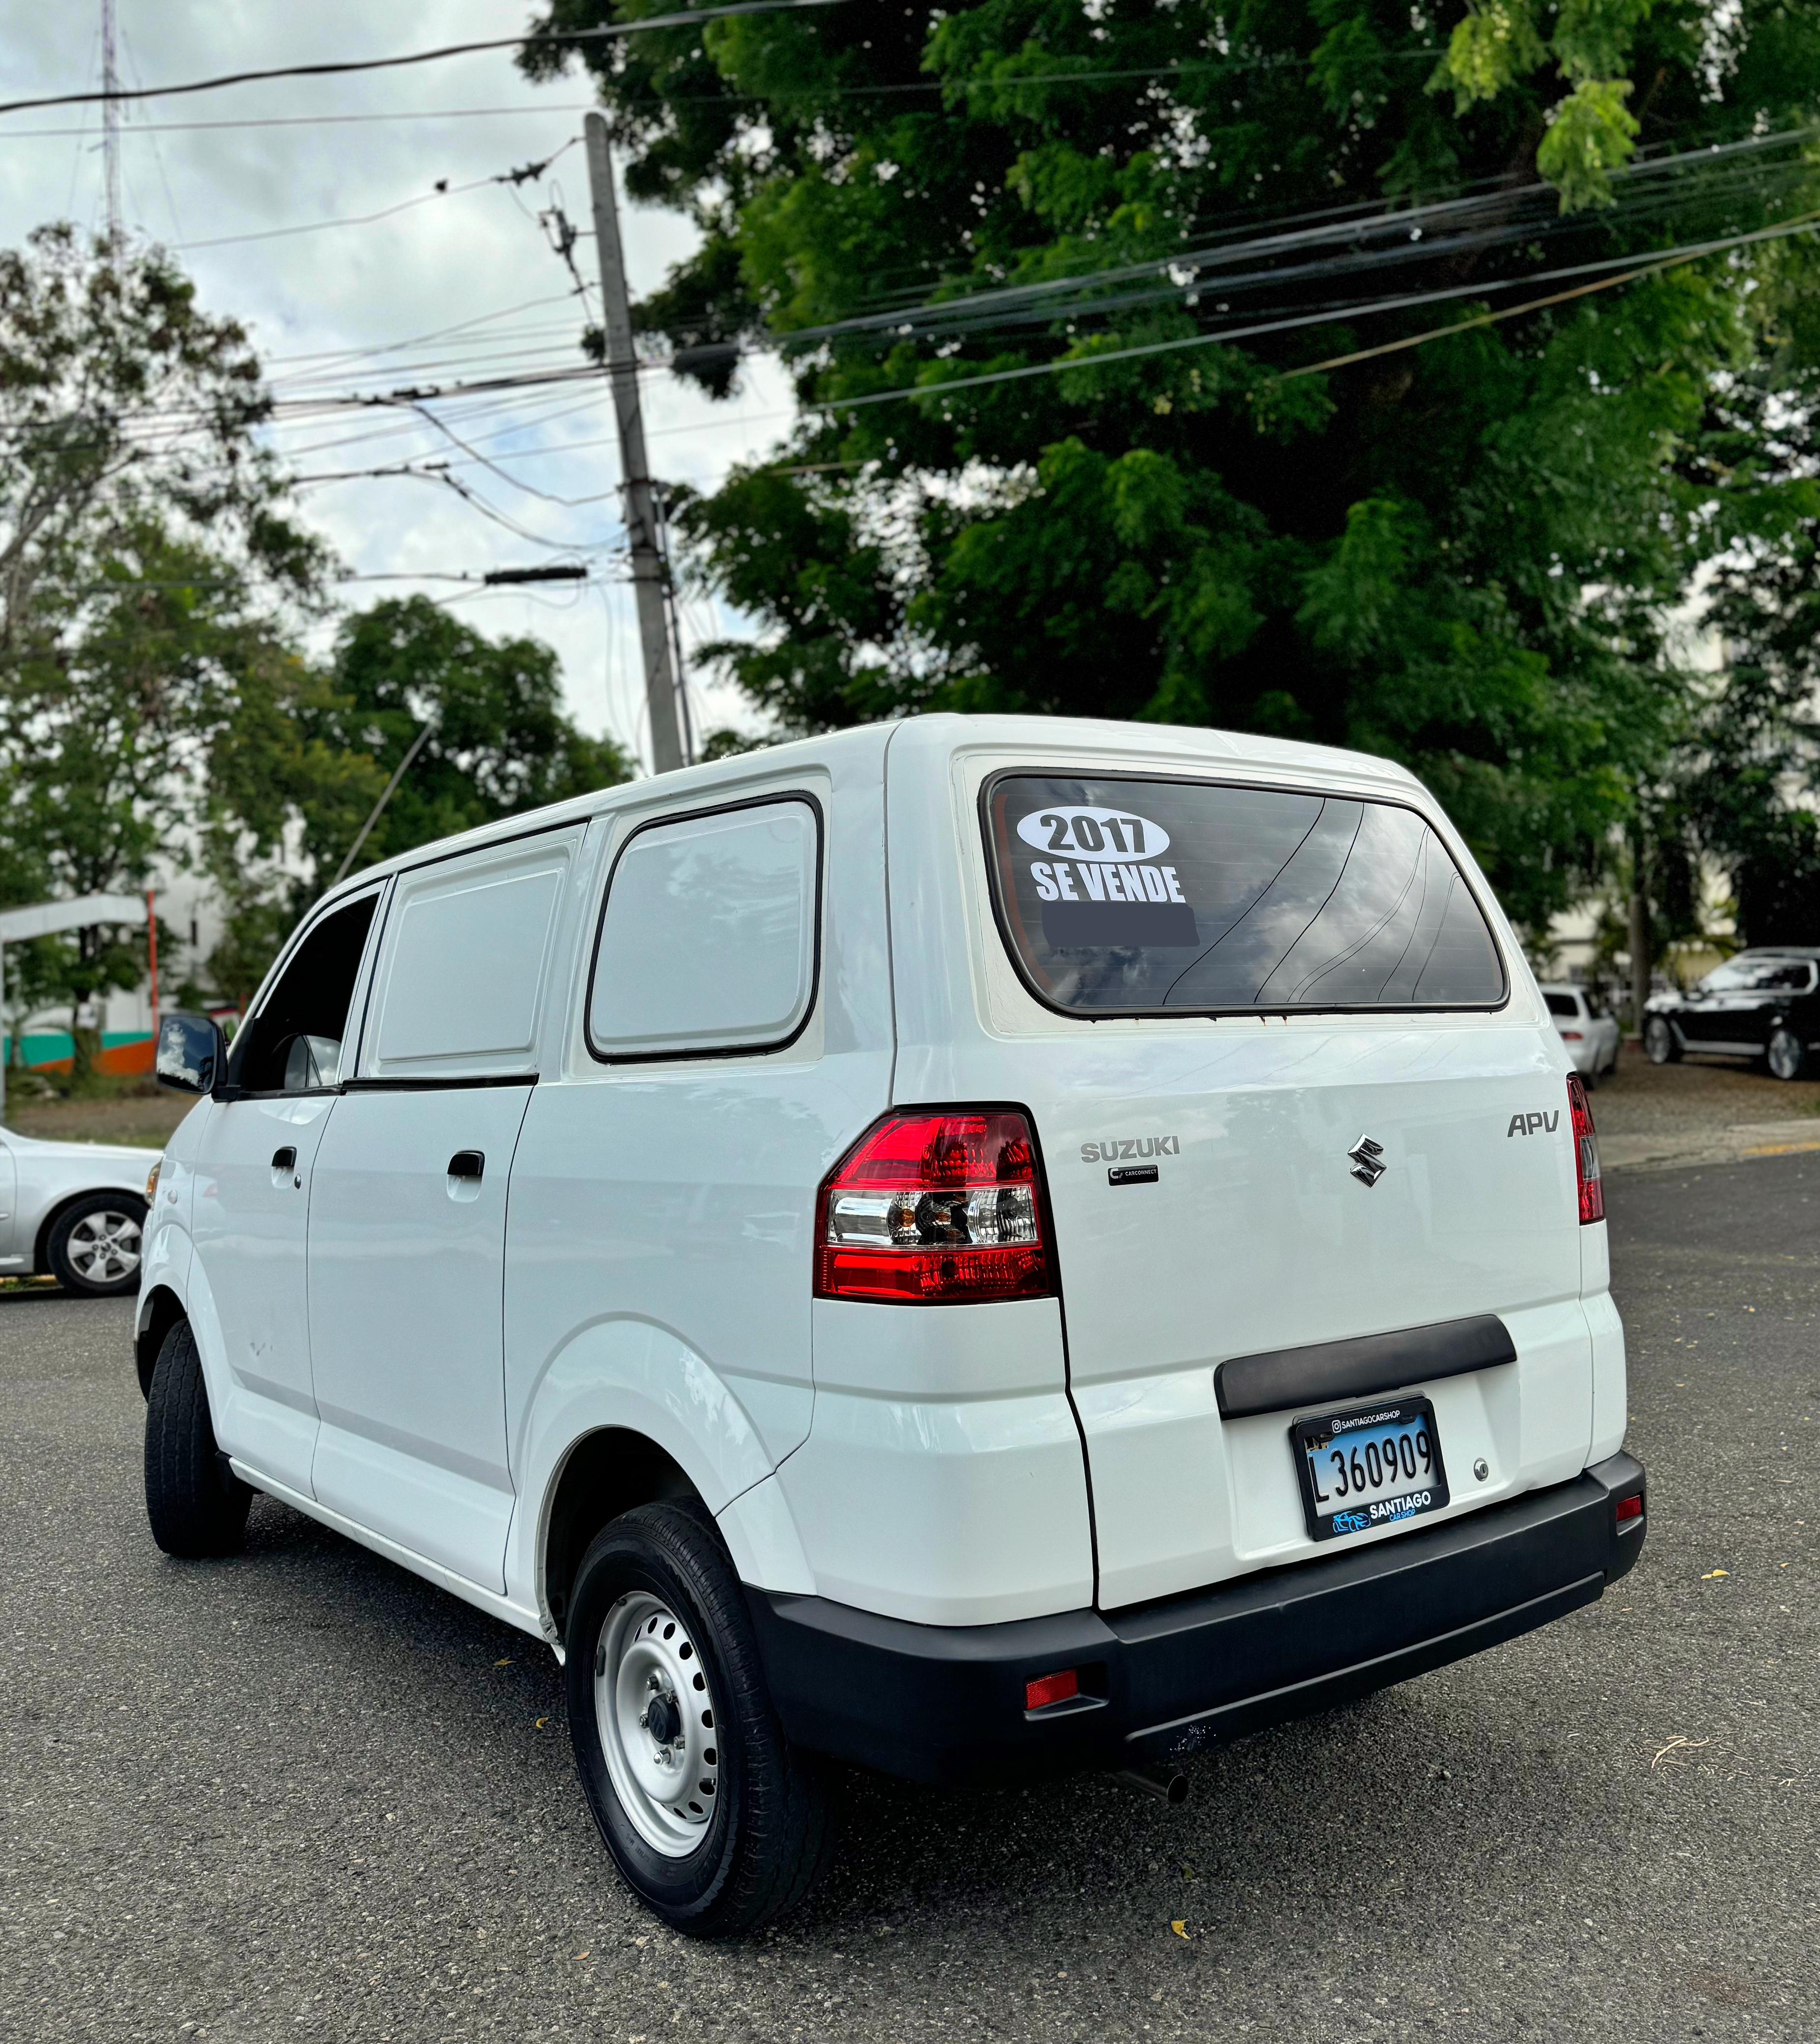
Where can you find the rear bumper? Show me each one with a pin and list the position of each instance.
(946, 1704)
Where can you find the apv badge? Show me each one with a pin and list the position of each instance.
(1368, 1161)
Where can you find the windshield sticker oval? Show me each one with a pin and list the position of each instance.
(1107, 836)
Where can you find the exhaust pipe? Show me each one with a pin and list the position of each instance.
(1170, 1789)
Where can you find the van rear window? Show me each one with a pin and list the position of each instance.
(1121, 896)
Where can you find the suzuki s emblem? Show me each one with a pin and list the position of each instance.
(1368, 1166)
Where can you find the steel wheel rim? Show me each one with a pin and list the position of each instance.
(655, 1715)
(1655, 1041)
(103, 1247)
(1784, 1054)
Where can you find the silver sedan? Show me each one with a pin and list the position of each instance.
(74, 1210)
(1591, 1035)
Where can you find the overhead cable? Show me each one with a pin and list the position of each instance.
(614, 32)
(1672, 259)
(443, 189)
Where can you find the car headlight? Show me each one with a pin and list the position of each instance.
(151, 1183)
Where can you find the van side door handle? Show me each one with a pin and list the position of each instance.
(284, 1159)
(467, 1164)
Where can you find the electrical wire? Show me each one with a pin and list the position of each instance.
(316, 120)
(443, 189)
(1671, 260)
(614, 32)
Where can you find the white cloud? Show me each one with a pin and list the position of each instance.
(441, 263)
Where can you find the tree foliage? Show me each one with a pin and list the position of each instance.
(142, 551)
(1461, 554)
(158, 705)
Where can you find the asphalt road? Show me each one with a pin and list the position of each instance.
(300, 1796)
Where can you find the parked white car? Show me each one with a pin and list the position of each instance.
(1029, 1245)
(1592, 1036)
(73, 1211)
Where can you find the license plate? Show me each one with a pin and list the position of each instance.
(1375, 1466)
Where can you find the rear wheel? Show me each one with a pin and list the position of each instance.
(716, 1821)
(196, 1503)
(95, 1245)
(1661, 1045)
(1786, 1055)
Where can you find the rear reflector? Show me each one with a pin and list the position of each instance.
(1585, 1151)
(1051, 1689)
(935, 1209)
(1630, 1512)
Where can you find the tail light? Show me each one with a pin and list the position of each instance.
(1572, 1036)
(1585, 1151)
(934, 1209)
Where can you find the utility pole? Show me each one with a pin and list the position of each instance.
(651, 577)
(110, 120)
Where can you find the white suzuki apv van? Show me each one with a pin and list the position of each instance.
(972, 1246)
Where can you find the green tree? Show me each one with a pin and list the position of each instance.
(1154, 224)
(144, 565)
(499, 742)
(300, 770)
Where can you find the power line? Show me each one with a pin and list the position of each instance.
(538, 111)
(443, 189)
(614, 32)
(1330, 317)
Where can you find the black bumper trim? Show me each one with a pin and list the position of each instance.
(946, 1704)
(1359, 1368)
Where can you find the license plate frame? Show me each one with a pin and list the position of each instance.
(1329, 1514)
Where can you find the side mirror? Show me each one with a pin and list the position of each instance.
(192, 1053)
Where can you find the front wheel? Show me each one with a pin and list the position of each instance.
(1787, 1054)
(94, 1247)
(1661, 1045)
(196, 1503)
(713, 1819)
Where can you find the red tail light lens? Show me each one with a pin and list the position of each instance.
(934, 1210)
(1585, 1151)
(1630, 1512)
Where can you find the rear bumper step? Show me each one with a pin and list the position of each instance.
(946, 1704)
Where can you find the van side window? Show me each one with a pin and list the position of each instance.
(462, 967)
(708, 934)
(293, 1044)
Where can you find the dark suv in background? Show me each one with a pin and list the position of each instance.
(1762, 1004)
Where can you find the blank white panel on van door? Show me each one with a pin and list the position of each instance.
(407, 1216)
(465, 952)
(709, 941)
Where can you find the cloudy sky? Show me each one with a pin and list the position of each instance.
(367, 305)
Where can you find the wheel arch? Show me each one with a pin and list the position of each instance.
(160, 1311)
(605, 1472)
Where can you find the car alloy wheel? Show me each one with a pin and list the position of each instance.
(1787, 1054)
(1659, 1044)
(103, 1247)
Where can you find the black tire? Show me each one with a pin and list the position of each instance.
(768, 1829)
(1786, 1055)
(1661, 1045)
(197, 1505)
(90, 1257)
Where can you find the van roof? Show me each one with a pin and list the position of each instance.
(1155, 745)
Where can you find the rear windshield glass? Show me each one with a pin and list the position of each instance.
(1562, 1004)
(1125, 895)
